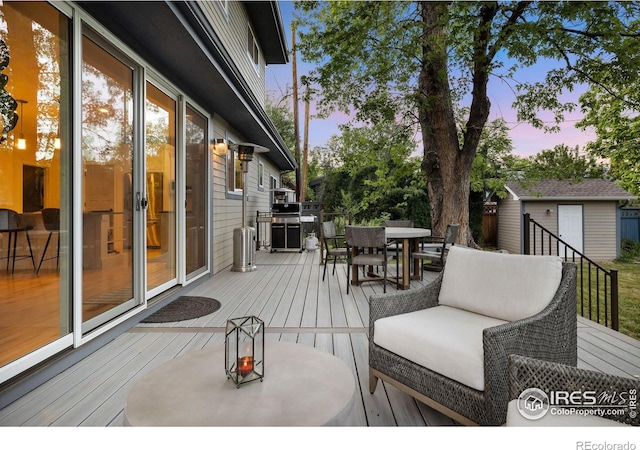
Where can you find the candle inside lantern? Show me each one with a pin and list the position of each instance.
(245, 365)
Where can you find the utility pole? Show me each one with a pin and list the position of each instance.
(296, 127)
(305, 148)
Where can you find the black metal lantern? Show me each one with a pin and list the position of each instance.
(245, 152)
(244, 350)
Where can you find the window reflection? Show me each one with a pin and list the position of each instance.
(35, 305)
(196, 194)
(107, 165)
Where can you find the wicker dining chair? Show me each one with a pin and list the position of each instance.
(334, 245)
(436, 249)
(362, 243)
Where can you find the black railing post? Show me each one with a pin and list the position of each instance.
(614, 299)
(526, 230)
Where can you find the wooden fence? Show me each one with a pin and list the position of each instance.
(630, 224)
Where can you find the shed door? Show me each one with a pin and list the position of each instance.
(570, 226)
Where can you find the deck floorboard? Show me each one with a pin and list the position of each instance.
(288, 293)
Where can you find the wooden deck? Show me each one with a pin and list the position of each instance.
(288, 293)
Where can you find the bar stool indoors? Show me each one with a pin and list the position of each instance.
(51, 219)
(11, 223)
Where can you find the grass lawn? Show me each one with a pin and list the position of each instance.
(628, 296)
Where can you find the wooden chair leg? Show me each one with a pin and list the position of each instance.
(373, 382)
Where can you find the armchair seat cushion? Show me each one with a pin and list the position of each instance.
(507, 287)
(443, 339)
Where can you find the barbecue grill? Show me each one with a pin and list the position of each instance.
(286, 226)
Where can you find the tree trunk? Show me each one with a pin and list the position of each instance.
(446, 163)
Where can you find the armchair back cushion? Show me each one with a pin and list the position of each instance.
(503, 286)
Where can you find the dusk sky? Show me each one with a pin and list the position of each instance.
(526, 140)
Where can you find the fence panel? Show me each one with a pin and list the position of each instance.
(630, 224)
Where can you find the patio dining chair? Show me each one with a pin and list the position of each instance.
(436, 249)
(334, 245)
(366, 246)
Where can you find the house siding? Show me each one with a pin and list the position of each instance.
(231, 27)
(600, 233)
(509, 224)
(227, 210)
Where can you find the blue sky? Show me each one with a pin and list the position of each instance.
(526, 139)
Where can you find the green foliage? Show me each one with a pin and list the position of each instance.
(282, 119)
(370, 172)
(630, 250)
(415, 60)
(476, 212)
(562, 163)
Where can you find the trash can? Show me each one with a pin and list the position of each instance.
(244, 250)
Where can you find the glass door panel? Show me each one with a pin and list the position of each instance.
(107, 168)
(160, 162)
(196, 192)
(35, 280)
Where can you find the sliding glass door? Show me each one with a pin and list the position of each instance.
(107, 185)
(160, 168)
(196, 242)
(35, 169)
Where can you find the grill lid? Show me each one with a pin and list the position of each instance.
(286, 208)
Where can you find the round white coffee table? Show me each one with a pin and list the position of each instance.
(301, 387)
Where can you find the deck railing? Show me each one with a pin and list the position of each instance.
(597, 286)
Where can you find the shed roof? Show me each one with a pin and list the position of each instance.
(585, 189)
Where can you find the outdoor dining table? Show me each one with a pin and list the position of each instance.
(410, 238)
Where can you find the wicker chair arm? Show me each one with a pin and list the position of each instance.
(525, 372)
(385, 305)
(549, 335)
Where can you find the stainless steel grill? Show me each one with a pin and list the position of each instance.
(286, 227)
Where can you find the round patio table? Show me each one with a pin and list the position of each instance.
(302, 386)
(410, 240)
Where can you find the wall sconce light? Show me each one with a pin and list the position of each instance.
(220, 147)
(549, 211)
(22, 142)
(56, 143)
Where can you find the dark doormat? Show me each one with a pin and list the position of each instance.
(184, 308)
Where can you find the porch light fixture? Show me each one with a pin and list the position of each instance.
(220, 146)
(244, 350)
(22, 142)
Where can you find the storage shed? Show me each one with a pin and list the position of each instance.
(585, 214)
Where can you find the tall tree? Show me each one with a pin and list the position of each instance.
(432, 55)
